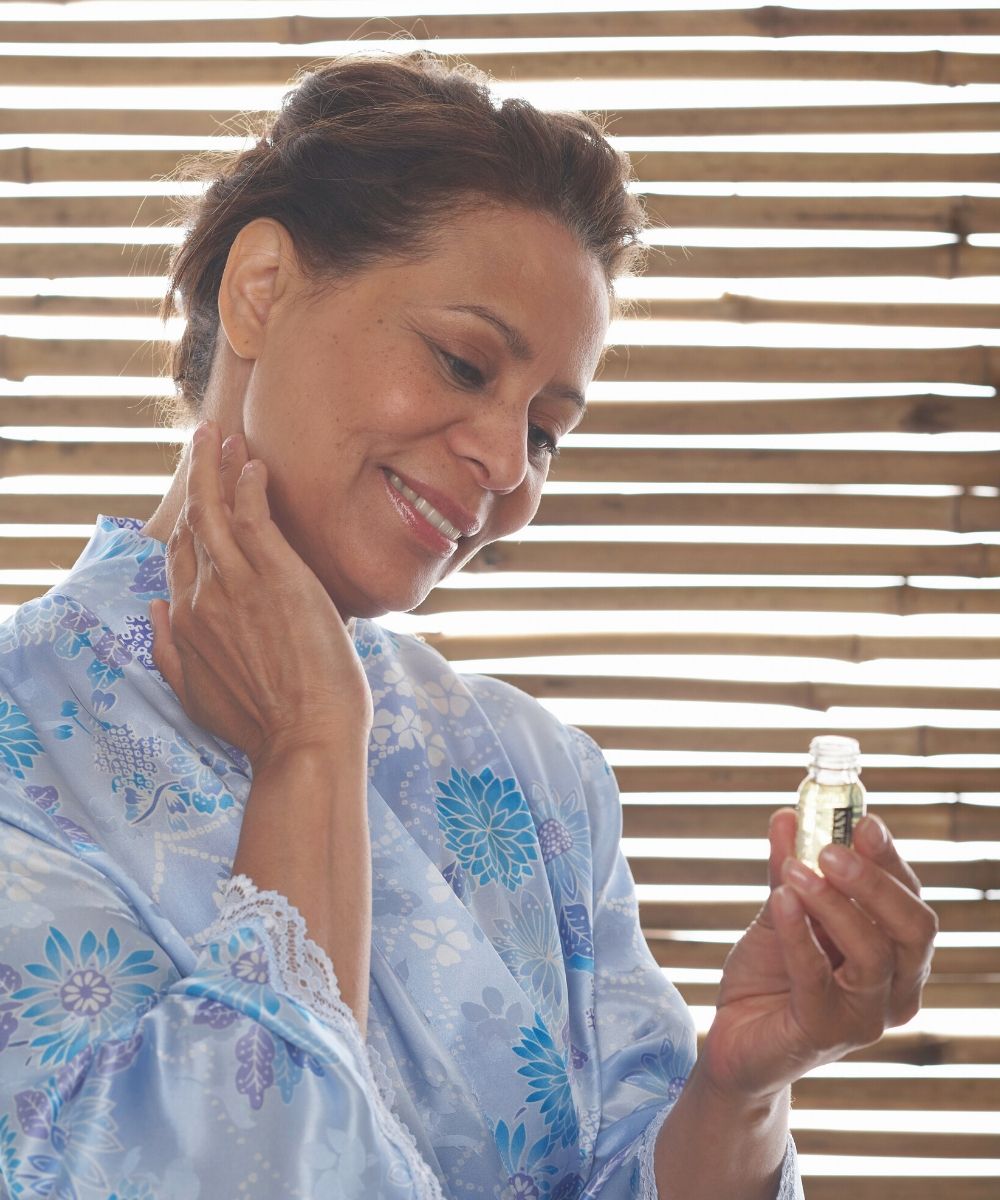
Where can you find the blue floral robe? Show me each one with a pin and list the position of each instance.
(168, 1033)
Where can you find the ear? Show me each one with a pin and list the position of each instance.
(258, 271)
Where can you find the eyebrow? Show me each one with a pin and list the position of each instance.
(518, 346)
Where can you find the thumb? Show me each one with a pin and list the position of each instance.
(163, 650)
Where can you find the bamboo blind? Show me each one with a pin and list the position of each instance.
(900, 528)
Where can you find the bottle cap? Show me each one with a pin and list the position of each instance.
(833, 753)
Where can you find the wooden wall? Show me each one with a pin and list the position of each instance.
(935, 507)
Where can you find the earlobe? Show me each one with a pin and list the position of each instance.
(255, 277)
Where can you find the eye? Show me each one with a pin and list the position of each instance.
(542, 440)
(464, 372)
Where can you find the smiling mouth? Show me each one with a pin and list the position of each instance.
(425, 508)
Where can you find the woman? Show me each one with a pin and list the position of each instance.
(292, 908)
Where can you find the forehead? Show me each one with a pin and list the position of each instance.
(523, 264)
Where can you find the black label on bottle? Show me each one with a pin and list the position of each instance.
(842, 826)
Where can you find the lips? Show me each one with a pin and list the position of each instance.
(463, 522)
(425, 508)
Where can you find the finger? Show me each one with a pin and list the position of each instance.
(164, 652)
(869, 956)
(181, 559)
(781, 831)
(873, 840)
(910, 924)
(807, 966)
(234, 456)
(259, 537)
(205, 507)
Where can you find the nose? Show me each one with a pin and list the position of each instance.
(496, 442)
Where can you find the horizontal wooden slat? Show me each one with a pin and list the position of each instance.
(736, 309)
(956, 364)
(896, 1144)
(926, 1049)
(967, 468)
(683, 779)
(940, 67)
(921, 1187)
(752, 310)
(88, 211)
(79, 306)
(980, 365)
(767, 21)
(911, 1092)
(927, 413)
(904, 600)
(847, 647)
(900, 600)
(130, 412)
(919, 1048)
(920, 740)
(950, 261)
(85, 458)
(959, 215)
(979, 994)
(956, 821)
(961, 513)
(74, 260)
(980, 561)
(647, 122)
(718, 166)
(947, 261)
(804, 118)
(967, 916)
(580, 464)
(38, 165)
(982, 875)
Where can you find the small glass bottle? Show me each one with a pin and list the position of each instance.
(831, 798)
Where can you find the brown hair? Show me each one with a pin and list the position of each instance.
(369, 156)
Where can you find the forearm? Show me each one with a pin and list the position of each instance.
(305, 834)
(711, 1146)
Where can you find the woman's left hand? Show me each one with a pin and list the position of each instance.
(827, 965)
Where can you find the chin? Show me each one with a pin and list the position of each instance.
(373, 602)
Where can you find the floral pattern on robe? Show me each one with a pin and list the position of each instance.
(522, 1042)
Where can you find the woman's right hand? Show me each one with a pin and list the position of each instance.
(250, 641)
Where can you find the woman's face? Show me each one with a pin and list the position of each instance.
(441, 382)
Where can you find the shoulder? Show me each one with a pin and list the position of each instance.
(531, 735)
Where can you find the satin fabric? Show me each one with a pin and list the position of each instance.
(531, 1045)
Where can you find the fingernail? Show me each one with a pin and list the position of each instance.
(876, 834)
(839, 861)
(800, 875)
(229, 445)
(788, 904)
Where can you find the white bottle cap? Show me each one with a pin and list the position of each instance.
(833, 753)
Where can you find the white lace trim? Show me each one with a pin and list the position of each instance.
(306, 973)
(647, 1153)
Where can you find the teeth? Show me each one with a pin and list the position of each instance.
(425, 508)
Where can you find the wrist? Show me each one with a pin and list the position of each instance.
(336, 749)
(750, 1105)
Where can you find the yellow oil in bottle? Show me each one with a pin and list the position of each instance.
(831, 798)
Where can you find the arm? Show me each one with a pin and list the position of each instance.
(668, 1132)
(687, 1158)
(305, 835)
(118, 1076)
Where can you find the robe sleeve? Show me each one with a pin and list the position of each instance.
(644, 1030)
(119, 1076)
